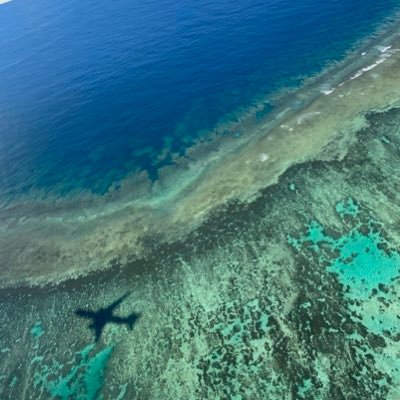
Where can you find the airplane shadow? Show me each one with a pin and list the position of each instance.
(103, 316)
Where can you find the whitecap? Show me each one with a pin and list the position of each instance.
(4, 1)
(263, 157)
(383, 49)
(307, 116)
(369, 67)
(326, 89)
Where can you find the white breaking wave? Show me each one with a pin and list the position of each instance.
(382, 49)
(307, 116)
(4, 1)
(385, 55)
(326, 92)
(326, 89)
(263, 157)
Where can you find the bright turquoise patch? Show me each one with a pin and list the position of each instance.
(37, 330)
(347, 207)
(305, 388)
(361, 264)
(378, 322)
(83, 381)
(315, 235)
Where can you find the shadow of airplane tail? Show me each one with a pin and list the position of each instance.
(131, 320)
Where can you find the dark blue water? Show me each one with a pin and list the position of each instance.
(91, 90)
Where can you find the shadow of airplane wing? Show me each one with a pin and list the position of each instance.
(130, 320)
(117, 302)
(85, 313)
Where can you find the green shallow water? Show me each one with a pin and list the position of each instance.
(291, 296)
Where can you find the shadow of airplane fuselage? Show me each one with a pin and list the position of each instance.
(104, 316)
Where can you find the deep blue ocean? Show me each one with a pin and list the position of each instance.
(91, 90)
